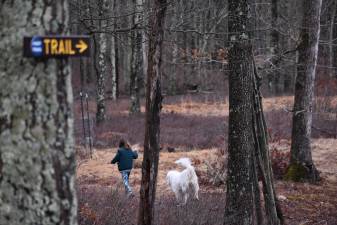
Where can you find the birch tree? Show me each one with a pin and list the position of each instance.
(37, 159)
(114, 59)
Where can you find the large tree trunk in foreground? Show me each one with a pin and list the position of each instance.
(37, 160)
(152, 120)
(301, 163)
(247, 142)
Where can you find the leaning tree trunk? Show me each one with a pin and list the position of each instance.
(152, 120)
(37, 160)
(247, 140)
(136, 69)
(301, 164)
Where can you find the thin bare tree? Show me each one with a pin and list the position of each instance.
(152, 119)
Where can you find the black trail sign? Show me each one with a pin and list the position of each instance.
(56, 46)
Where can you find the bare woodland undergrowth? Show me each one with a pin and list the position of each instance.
(195, 126)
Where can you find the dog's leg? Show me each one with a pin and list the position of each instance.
(185, 198)
(196, 195)
(194, 191)
(178, 197)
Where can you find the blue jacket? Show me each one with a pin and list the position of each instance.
(124, 158)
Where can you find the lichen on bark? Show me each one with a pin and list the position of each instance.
(36, 120)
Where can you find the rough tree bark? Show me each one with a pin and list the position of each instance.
(247, 142)
(136, 69)
(100, 42)
(152, 118)
(37, 160)
(301, 164)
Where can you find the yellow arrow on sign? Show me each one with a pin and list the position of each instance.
(82, 46)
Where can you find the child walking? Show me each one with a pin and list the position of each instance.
(124, 158)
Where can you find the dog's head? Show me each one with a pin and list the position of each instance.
(185, 162)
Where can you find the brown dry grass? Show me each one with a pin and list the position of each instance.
(196, 127)
(99, 170)
(304, 202)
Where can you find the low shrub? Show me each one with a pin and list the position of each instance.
(217, 168)
(280, 162)
(101, 205)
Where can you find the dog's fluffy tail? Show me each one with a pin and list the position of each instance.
(185, 162)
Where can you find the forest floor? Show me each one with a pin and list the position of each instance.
(196, 127)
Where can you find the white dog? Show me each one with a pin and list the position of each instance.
(185, 182)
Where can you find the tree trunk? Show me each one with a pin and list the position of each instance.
(114, 57)
(136, 69)
(239, 201)
(172, 76)
(288, 71)
(172, 79)
(247, 140)
(276, 84)
(239, 196)
(114, 68)
(332, 37)
(152, 122)
(100, 41)
(301, 163)
(89, 62)
(37, 159)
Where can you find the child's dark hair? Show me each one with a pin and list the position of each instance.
(121, 143)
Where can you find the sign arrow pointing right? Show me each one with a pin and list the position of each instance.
(82, 46)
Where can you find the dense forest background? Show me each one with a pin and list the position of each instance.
(196, 45)
(246, 89)
(195, 52)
